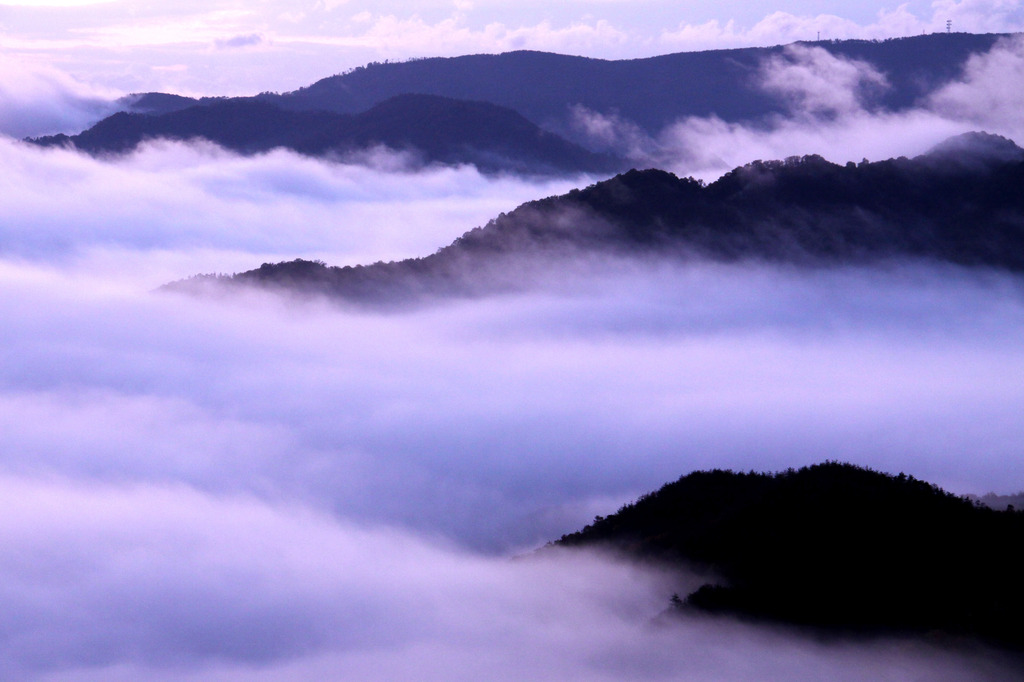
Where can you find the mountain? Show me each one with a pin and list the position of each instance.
(434, 129)
(651, 92)
(961, 203)
(520, 112)
(831, 546)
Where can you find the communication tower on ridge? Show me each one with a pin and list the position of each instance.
(949, 25)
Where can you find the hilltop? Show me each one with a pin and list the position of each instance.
(961, 204)
(833, 547)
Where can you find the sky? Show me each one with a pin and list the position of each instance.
(257, 487)
(230, 47)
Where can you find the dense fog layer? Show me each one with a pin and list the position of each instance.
(473, 417)
(833, 112)
(142, 582)
(259, 487)
(263, 488)
(172, 210)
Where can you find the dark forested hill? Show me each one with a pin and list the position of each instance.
(651, 92)
(963, 203)
(833, 546)
(435, 129)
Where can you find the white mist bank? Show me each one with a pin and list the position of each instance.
(503, 422)
(117, 583)
(263, 489)
(500, 421)
(831, 112)
(171, 210)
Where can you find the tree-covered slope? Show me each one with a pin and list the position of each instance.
(963, 203)
(435, 129)
(832, 546)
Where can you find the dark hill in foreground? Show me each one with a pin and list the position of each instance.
(832, 546)
(963, 203)
(434, 129)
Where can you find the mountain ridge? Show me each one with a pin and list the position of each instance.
(803, 211)
(651, 92)
(529, 112)
(436, 129)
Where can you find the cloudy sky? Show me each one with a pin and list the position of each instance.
(231, 47)
(258, 488)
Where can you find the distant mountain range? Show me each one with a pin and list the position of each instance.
(433, 129)
(651, 92)
(514, 112)
(833, 547)
(962, 203)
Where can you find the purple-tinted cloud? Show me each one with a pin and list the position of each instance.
(263, 488)
(137, 582)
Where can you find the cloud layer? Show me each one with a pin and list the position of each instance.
(222, 211)
(262, 488)
(42, 100)
(222, 48)
(130, 583)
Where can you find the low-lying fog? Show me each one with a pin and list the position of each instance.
(259, 488)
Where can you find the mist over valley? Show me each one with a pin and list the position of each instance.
(341, 465)
(957, 204)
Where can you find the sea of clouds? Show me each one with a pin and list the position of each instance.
(263, 488)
